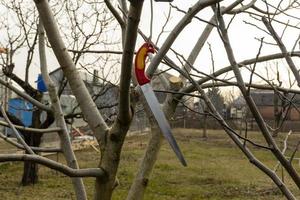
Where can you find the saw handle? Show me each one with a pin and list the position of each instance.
(140, 65)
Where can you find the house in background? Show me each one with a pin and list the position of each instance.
(267, 101)
(105, 95)
(106, 98)
(238, 108)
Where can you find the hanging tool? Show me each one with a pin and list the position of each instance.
(144, 83)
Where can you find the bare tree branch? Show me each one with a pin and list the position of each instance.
(176, 31)
(257, 116)
(58, 114)
(32, 130)
(283, 49)
(125, 114)
(92, 172)
(18, 136)
(25, 96)
(36, 149)
(95, 120)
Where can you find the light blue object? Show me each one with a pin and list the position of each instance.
(41, 86)
(21, 109)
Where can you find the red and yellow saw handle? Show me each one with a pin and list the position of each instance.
(140, 65)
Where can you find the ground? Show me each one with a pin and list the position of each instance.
(216, 170)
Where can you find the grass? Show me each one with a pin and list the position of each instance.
(216, 170)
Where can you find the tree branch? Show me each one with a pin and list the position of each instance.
(176, 31)
(224, 70)
(8, 71)
(134, 13)
(36, 149)
(283, 49)
(18, 136)
(32, 130)
(92, 172)
(115, 13)
(250, 102)
(59, 117)
(25, 96)
(94, 118)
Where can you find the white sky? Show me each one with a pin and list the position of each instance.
(242, 37)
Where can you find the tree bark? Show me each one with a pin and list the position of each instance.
(140, 183)
(66, 145)
(87, 106)
(30, 170)
(204, 133)
(111, 154)
(277, 115)
(138, 187)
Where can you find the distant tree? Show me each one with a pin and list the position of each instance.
(23, 35)
(216, 98)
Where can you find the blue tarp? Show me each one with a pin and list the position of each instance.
(21, 109)
(41, 86)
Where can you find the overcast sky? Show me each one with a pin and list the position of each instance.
(242, 37)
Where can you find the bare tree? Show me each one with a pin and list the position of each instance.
(75, 50)
(20, 37)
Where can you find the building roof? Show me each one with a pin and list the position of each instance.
(265, 98)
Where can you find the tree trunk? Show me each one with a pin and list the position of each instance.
(30, 171)
(277, 115)
(141, 180)
(110, 161)
(204, 133)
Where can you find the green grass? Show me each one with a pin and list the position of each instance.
(216, 170)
